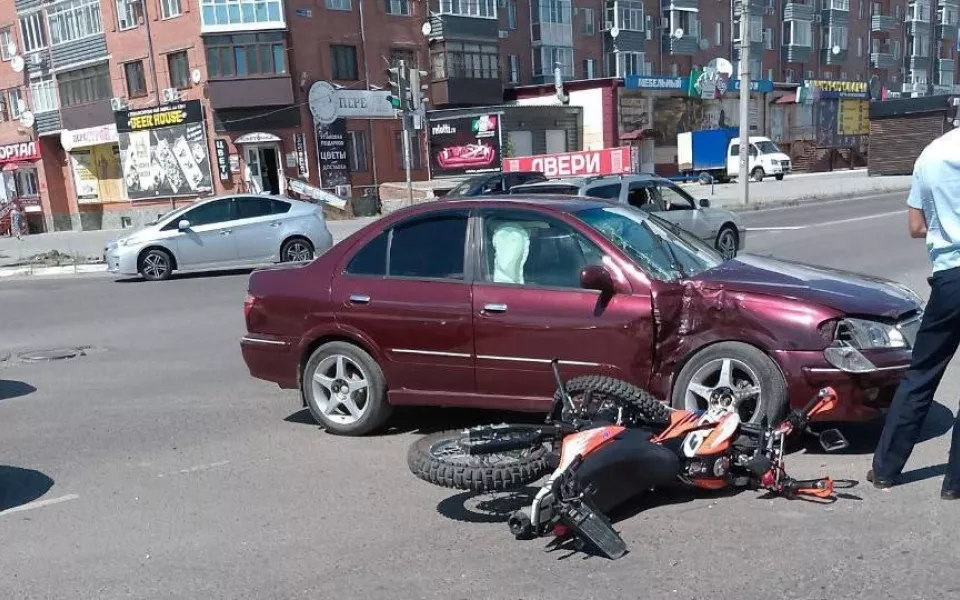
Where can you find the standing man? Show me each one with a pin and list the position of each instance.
(16, 220)
(934, 214)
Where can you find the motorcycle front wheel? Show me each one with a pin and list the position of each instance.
(443, 459)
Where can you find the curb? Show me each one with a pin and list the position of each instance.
(814, 199)
(31, 271)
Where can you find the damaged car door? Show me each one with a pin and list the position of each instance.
(530, 305)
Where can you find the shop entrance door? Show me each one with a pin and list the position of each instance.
(264, 165)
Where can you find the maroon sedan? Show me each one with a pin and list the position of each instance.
(464, 302)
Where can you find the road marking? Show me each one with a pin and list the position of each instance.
(803, 204)
(828, 223)
(195, 469)
(39, 504)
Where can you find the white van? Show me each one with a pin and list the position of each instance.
(766, 159)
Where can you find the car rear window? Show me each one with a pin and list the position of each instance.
(608, 192)
(548, 189)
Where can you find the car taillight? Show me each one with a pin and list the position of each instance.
(248, 304)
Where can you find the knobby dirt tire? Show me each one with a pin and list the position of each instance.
(472, 474)
(642, 402)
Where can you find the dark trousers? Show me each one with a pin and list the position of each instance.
(937, 342)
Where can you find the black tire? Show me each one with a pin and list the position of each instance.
(475, 473)
(779, 177)
(156, 264)
(294, 247)
(774, 399)
(731, 232)
(757, 174)
(642, 405)
(377, 410)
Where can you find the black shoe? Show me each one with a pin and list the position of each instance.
(946, 494)
(880, 484)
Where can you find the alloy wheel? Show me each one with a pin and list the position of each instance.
(340, 388)
(155, 266)
(298, 251)
(728, 384)
(727, 244)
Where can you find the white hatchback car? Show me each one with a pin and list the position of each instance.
(223, 231)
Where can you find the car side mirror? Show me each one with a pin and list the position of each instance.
(183, 225)
(832, 440)
(704, 203)
(598, 278)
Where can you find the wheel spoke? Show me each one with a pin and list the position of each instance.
(325, 381)
(341, 368)
(357, 385)
(726, 374)
(351, 406)
(701, 390)
(332, 404)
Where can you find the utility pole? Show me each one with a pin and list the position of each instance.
(406, 96)
(743, 180)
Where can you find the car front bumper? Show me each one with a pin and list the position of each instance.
(862, 396)
(120, 260)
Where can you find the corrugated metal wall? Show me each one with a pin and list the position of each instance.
(896, 142)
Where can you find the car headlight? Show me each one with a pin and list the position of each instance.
(870, 335)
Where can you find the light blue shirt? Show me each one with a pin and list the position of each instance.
(936, 191)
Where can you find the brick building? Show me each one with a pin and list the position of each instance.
(99, 99)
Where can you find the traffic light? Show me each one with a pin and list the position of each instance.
(399, 85)
(416, 89)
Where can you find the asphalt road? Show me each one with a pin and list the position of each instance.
(158, 469)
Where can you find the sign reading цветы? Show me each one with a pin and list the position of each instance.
(609, 161)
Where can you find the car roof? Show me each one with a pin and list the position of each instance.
(582, 181)
(551, 202)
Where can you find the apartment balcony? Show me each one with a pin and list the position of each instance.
(755, 49)
(883, 60)
(883, 23)
(466, 91)
(47, 122)
(946, 65)
(917, 27)
(469, 28)
(918, 63)
(551, 34)
(667, 5)
(908, 88)
(835, 13)
(829, 58)
(84, 116)
(796, 54)
(757, 8)
(797, 11)
(251, 92)
(946, 32)
(687, 45)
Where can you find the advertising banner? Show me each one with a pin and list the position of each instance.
(223, 166)
(465, 145)
(332, 158)
(96, 174)
(300, 146)
(164, 151)
(609, 161)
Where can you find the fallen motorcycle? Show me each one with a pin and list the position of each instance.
(615, 443)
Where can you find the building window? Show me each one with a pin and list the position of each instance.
(788, 75)
(631, 15)
(407, 55)
(14, 101)
(83, 86)
(589, 68)
(547, 57)
(718, 34)
(43, 95)
(241, 14)
(918, 11)
(798, 33)
(859, 46)
(26, 183)
(338, 4)
(468, 61)
(136, 79)
(513, 63)
(32, 32)
(246, 55)
(838, 5)
(179, 70)
(6, 37)
(633, 63)
(511, 14)
(170, 9)
(918, 45)
(553, 11)
(128, 14)
(768, 39)
(836, 35)
(357, 151)
(895, 47)
(675, 70)
(416, 153)
(400, 8)
(486, 9)
(74, 20)
(589, 26)
(945, 78)
(343, 61)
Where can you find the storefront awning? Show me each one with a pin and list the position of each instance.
(256, 138)
(639, 134)
(15, 165)
(788, 99)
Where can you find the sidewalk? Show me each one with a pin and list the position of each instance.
(795, 189)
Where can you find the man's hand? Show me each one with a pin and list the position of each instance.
(917, 223)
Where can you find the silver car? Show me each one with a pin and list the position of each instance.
(222, 231)
(721, 228)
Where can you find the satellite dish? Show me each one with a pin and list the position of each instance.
(426, 28)
(704, 43)
(11, 48)
(17, 63)
(678, 33)
(196, 76)
(721, 66)
(26, 118)
(836, 49)
(614, 32)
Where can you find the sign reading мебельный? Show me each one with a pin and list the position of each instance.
(609, 161)
(832, 88)
(654, 83)
(163, 151)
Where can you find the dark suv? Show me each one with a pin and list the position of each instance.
(493, 183)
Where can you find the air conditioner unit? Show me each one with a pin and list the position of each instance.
(119, 103)
(36, 59)
(171, 95)
(344, 191)
(503, 33)
(607, 25)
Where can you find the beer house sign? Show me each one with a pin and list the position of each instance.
(19, 152)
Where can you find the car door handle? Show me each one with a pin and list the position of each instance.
(275, 224)
(495, 308)
(359, 299)
(225, 232)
